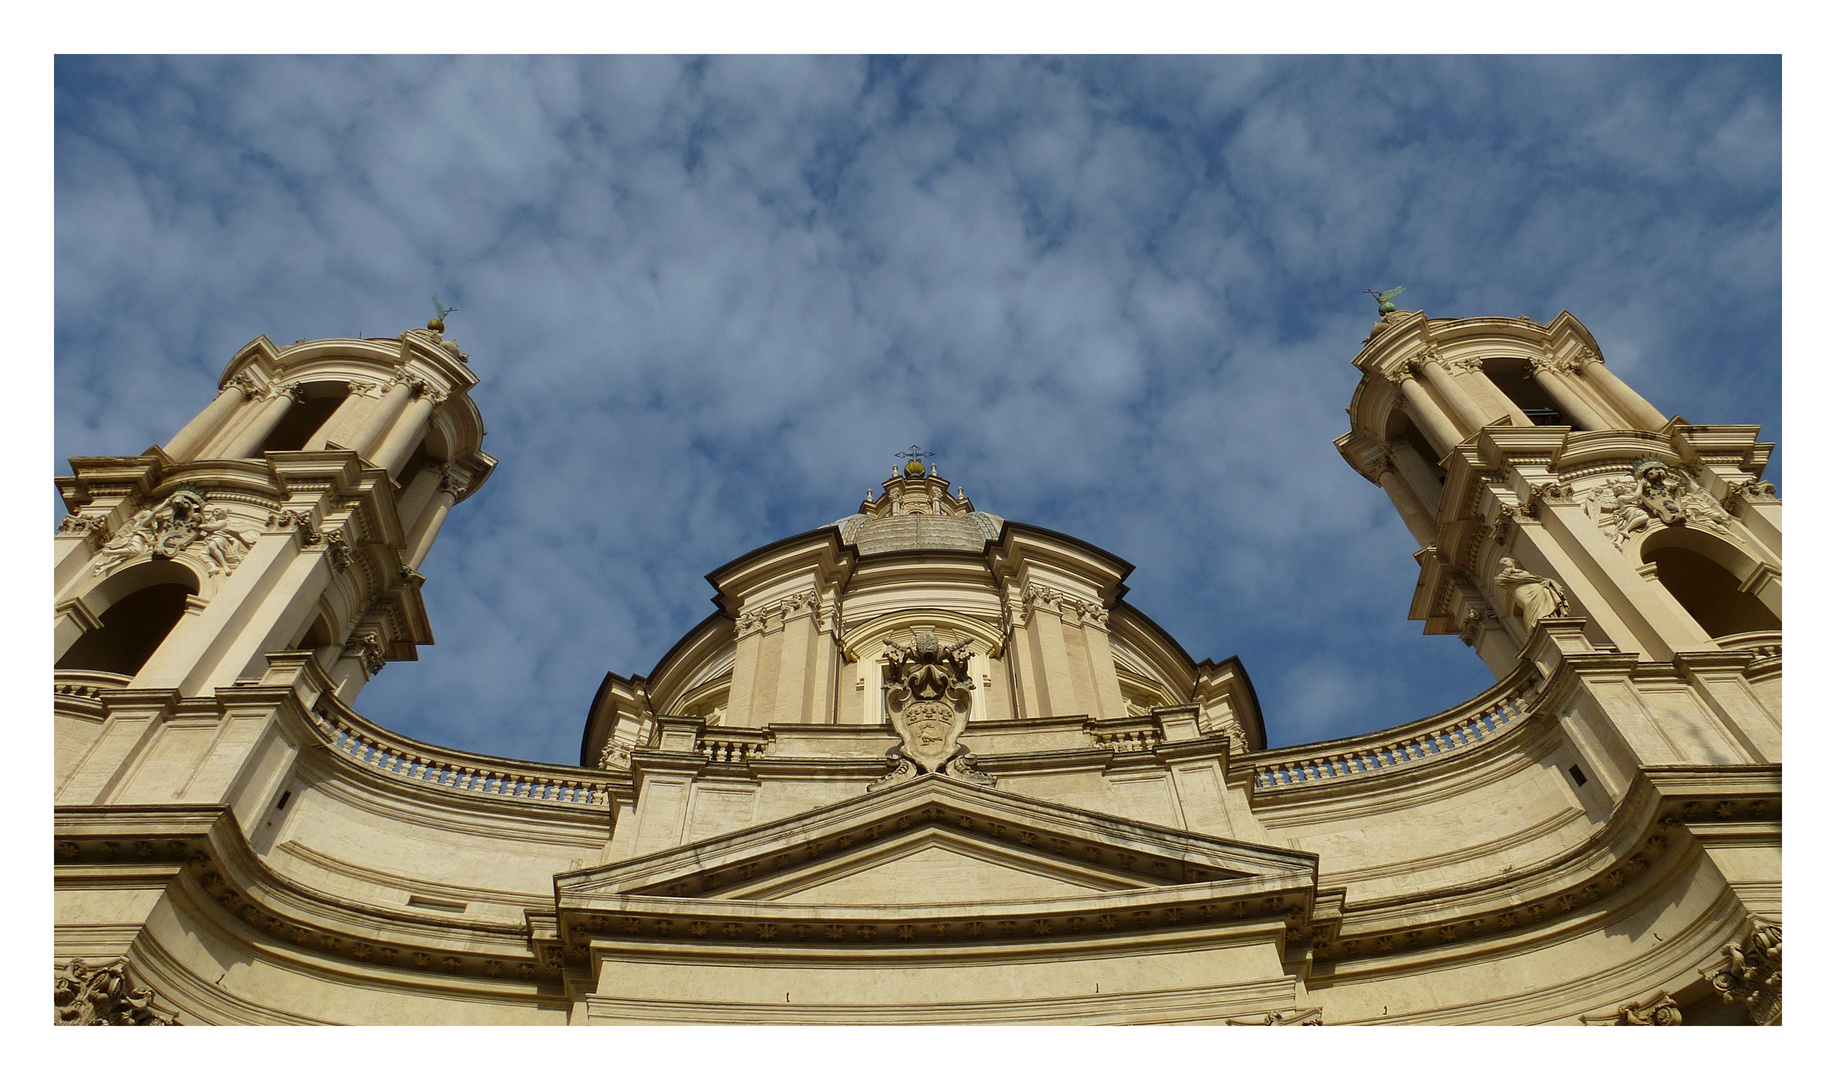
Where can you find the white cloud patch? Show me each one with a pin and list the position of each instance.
(709, 298)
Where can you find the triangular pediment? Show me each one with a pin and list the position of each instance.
(933, 866)
(935, 841)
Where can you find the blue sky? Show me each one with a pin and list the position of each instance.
(709, 299)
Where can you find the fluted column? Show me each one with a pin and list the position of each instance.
(267, 417)
(1466, 410)
(194, 435)
(1441, 433)
(1628, 401)
(1552, 377)
(407, 431)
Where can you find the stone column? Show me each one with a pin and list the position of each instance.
(1466, 410)
(427, 526)
(1420, 522)
(1045, 633)
(407, 432)
(1420, 477)
(381, 413)
(746, 670)
(1427, 414)
(194, 435)
(353, 403)
(1553, 378)
(1105, 682)
(1637, 411)
(247, 442)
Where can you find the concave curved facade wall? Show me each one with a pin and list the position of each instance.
(925, 764)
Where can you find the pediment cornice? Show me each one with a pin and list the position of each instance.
(1067, 840)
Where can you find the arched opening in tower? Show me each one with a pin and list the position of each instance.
(1710, 593)
(1515, 380)
(132, 628)
(303, 419)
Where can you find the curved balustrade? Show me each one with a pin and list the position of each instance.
(355, 739)
(1480, 720)
(75, 682)
(733, 745)
(1765, 644)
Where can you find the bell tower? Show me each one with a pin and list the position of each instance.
(272, 543)
(1559, 514)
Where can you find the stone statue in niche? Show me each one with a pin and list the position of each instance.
(927, 698)
(1538, 597)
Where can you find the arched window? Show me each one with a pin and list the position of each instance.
(132, 628)
(1696, 570)
(303, 419)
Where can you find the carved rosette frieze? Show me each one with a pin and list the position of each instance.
(1651, 495)
(102, 996)
(1751, 972)
(927, 698)
(1657, 1011)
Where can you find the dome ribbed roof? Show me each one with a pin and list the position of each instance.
(920, 532)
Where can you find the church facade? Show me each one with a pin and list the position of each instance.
(925, 765)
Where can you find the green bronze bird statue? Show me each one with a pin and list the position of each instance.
(1385, 300)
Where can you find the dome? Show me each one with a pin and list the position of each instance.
(919, 532)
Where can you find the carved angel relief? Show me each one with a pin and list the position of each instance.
(182, 519)
(1652, 493)
(927, 698)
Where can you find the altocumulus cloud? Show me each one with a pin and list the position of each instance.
(709, 298)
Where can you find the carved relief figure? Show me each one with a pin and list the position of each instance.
(1626, 505)
(224, 546)
(927, 697)
(1617, 507)
(1538, 597)
(164, 531)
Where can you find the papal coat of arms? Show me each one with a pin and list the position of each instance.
(927, 698)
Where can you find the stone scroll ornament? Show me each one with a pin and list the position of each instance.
(1752, 973)
(1654, 495)
(927, 698)
(86, 996)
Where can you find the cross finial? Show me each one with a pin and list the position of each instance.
(914, 453)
